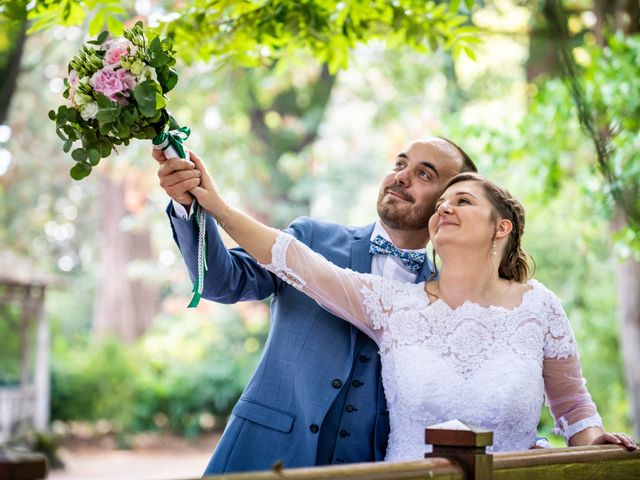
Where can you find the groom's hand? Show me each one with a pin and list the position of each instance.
(177, 177)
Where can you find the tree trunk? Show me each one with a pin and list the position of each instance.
(624, 16)
(627, 273)
(275, 142)
(9, 72)
(123, 307)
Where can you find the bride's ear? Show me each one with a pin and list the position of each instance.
(503, 228)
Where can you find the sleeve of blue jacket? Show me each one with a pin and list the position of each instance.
(232, 274)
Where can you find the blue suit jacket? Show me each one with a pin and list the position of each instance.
(307, 348)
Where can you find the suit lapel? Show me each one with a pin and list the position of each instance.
(425, 272)
(360, 256)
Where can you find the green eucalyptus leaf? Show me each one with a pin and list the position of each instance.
(79, 155)
(80, 171)
(159, 59)
(61, 135)
(147, 133)
(103, 37)
(89, 138)
(73, 116)
(108, 111)
(61, 117)
(173, 123)
(145, 94)
(105, 147)
(171, 81)
(155, 45)
(93, 157)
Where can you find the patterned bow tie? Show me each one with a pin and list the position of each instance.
(412, 260)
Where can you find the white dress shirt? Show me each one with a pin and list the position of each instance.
(389, 266)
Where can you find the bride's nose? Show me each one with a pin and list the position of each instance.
(444, 208)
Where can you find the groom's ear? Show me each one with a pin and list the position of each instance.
(503, 228)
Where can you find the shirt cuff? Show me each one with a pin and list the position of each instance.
(181, 212)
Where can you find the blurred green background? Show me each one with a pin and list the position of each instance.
(298, 127)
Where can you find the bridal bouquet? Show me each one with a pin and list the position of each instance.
(116, 91)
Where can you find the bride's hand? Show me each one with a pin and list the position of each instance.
(207, 193)
(616, 438)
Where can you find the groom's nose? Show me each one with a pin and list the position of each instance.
(402, 178)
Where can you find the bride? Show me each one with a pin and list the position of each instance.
(481, 344)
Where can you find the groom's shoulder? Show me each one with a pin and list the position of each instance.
(311, 230)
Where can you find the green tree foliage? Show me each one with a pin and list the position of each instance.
(184, 376)
(255, 32)
(611, 77)
(10, 318)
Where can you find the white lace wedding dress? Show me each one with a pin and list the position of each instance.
(488, 366)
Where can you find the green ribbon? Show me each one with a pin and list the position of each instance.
(175, 139)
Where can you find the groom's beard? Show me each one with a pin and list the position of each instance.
(400, 215)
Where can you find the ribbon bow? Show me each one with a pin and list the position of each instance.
(412, 260)
(174, 138)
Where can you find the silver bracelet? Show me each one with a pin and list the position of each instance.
(223, 221)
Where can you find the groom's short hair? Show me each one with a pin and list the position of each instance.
(467, 164)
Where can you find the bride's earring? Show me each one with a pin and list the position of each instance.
(493, 249)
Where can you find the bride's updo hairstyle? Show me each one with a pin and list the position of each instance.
(514, 264)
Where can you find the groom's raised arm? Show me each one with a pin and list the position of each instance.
(232, 274)
(337, 289)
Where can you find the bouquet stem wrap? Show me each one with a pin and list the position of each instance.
(171, 143)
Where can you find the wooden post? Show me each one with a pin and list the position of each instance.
(465, 444)
(25, 351)
(41, 381)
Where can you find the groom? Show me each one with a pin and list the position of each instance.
(316, 397)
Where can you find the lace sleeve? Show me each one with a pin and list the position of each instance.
(565, 387)
(341, 291)
(568, 398)
(559, 341)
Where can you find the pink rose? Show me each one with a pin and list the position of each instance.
(116, 48)
(114, 84)
(73, 85)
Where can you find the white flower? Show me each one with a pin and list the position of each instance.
(148, 73)
(82, 99)
(89, 110)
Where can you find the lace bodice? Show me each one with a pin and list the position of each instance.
(488, 366)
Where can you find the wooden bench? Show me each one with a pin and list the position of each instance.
(460, 454)
(18, 465)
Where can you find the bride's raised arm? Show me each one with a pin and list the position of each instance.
(343, 292)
